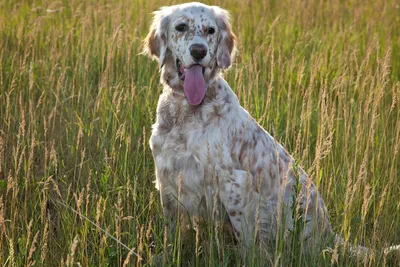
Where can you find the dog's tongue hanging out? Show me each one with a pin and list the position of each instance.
(194, 85)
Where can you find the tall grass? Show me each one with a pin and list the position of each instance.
(77, 102)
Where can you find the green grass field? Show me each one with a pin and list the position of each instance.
(77, 102)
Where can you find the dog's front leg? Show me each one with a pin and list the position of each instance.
(240, 202)
(179, 203)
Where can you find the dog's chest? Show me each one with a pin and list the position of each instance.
(184, 131)
(185, 142)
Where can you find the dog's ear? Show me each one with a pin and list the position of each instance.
(226, 39)
(155, 43)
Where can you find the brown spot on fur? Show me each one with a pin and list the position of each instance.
(182, 139)
(237, 233)
(227, 99)
(164, 128)
(260, 169)
(165, 172)
(204, 28)
(284, 156)
(272, 173)
(214, 71)
(273, 160)
(232, 213)
(192, 110)
(243, 151)
(217, 112)
(211, 93)
(233, 155)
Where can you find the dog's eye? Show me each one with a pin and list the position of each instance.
(211, 30)
(181, 27)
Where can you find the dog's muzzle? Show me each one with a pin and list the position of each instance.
(198, 51)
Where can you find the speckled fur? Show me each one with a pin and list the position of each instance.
(216, 150)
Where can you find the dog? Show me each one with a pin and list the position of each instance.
(208, 150)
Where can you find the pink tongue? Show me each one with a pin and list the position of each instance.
(194, 85)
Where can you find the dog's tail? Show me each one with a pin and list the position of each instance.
(361, 252)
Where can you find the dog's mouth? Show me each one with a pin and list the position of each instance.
(181, 69)
(194, 85)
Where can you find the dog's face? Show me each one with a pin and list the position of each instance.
(192, 42)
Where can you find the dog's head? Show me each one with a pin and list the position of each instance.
(192, 42)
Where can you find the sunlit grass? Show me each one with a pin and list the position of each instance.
(77, 102)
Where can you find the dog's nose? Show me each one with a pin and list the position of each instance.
(198, 51)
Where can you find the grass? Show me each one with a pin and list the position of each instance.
(77, 102)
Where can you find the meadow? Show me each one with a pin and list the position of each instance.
(77, 101)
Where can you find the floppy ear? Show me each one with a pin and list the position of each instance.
(155, 43)
(226, 39)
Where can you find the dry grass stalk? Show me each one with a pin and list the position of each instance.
(44, 250)
(71, 256)
(139, 260)
(30, 261)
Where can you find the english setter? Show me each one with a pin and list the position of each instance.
(207, 149)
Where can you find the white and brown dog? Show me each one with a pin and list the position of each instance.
(207, 149)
